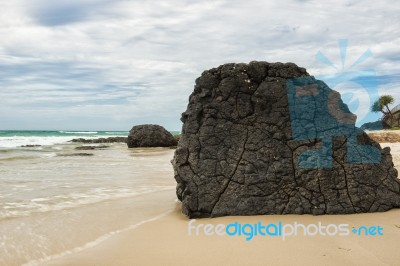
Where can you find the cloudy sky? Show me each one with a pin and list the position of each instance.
(110, 64)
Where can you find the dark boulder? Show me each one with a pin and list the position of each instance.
(77, 154)
(150, 136)
(267, 138)
(377, 125)
(101, 140)
(87, 148)
(30, 146)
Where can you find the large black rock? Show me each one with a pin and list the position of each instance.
(245, 150)
(150, 136)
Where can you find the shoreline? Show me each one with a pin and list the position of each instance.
(165, 241)
(57, 203)
(33, 141)
(154, 220)
(92, 243)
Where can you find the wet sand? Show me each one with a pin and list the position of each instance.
(52, 205)
(166, 242)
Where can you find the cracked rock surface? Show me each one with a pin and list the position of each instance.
(237, 156)
(150, 136)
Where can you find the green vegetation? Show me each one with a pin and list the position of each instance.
(382, 105)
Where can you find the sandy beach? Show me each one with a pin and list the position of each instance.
(199, 133)
(163, 239)
(166, 242)
(54, 200)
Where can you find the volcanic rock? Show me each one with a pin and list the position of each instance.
(77, 154)
(150, 136)
(101, 140)
(256, 139)
(377, 125)
(30, 146)
(87, 148)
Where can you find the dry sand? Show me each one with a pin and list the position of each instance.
(165, 241)
(387, 136)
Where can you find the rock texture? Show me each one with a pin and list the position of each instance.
(77, 154)
(377, 125)
(101, 140)
(88, 148)
(237, 154)
(150, 136)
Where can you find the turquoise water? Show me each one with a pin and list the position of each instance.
(54, 200)
(61, 133)
(52, 203)
(18, 138)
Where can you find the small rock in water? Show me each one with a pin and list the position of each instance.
(150, 136)
(84, 148)
(101, 140)
(77, 154)
(30, 146)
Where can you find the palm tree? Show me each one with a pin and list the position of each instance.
(382, 105)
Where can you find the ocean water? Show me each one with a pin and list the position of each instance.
(54, 199)
(14, 138)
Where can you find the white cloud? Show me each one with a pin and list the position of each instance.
(104, 64)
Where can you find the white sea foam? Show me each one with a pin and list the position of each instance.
(48, 155)
(72, 200)
(60, 190)
(79, 132)
(18, 141)
(117, 132)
